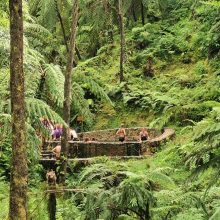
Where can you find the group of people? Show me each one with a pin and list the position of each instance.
(57, 150)
(121, 133)
(56, 130)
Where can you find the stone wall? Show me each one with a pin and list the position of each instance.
(132, 134)
(85, 150)
(107, 143)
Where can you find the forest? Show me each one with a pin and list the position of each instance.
(98, 65)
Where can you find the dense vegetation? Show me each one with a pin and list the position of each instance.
(171, 78)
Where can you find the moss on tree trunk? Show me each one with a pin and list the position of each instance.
(18, 183)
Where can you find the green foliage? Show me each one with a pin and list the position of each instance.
(213, 3)
(181, 38)
(4, 199)
(54, 85)
(205, 153)
(216, 215)
(4, 47)
(114, 191)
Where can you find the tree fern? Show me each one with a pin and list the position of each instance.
(48, 14)
(33, 71)
(54, 84)
(80, 105)
(179, 201)
(89, 83)
(133, 196)
(34, 28)
(38, 108)
(99, 171)
(155, 176)
(206, 141)
(33, 140)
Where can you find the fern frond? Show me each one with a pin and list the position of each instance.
(34, 6)
(48, 13)
(36, 30)
(32, 139)
(4, 85)
(106, 172)
(38, 108)
(89, 83)
(93, 172)
(5, 125)
(4, 47)
(212, 3)
(32, 58)
(79, 104)
(54, 83)
(162, 179)
(216, 214)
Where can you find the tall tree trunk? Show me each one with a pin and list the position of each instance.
(147, 212)
(19, 172)
(142, 14)
(62, 26)
(67, 89)
(52, 206)
(122, 39)
(108, 11)
(64, 32)
(133, 11)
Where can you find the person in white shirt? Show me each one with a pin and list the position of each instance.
(73, 135)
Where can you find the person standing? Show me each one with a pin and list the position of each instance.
(73, 135)
(57, 132)
(121, 133)
(144, 134)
